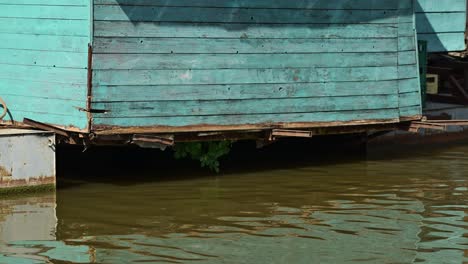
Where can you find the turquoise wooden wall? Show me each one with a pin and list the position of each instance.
(442, 23)
(185, 63)
(43, 59)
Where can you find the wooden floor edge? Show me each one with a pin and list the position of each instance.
(110, 130)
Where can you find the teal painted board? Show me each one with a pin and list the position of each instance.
(187, 63)
(408, 70)
(442, 24)
(43, 60)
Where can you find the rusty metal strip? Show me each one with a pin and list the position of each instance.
(89, 97)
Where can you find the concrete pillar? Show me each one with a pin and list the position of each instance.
(27, 160)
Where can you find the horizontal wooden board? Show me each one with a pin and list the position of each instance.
(44, 42)
(410, 99)
(407, 44)
(242, 76)
(248, 15)
(241, 91)
(44, 12)
(248, 106)
(84, 3)
(43, 74)
(277, 4)
(242, 61)
(62, 91)
(271, 119)
(43, 105)
(407, 58)
(408, 71)
(57, 27)
(409, 85)
(58, 59)
(411, 111)
(406, 29)
(234, 46)
(245, 30)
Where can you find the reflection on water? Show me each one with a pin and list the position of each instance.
(403, 209)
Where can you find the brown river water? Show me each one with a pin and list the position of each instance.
(287, 204)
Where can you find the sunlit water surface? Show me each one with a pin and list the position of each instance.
(386, 208)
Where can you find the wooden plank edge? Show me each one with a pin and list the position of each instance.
(115, 130)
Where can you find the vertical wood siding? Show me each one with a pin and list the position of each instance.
(43, 60)
(184, 62)
(442, 24)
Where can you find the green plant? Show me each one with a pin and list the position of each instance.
(208, 153)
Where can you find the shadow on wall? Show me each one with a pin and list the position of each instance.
(424, 26)
(240, 14)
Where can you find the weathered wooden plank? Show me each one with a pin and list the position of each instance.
(243, 61)
(44, 42)
(241, 91)
(44, 12)
(277, 4)
(44, 105)
(410, 99)
(235, 46)
(44, 58)
(220, 120)
(411, 111)
(58, 27)
(408, 71)
(409, 85)
(248, 106)
(63, 91)
(406, 29)
(407, 58)
(406, 44)
(242, 76)
(44, 74)
(245, 30)
(84, 3)
(233, 15)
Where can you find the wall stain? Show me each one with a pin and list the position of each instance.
(4, 172)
